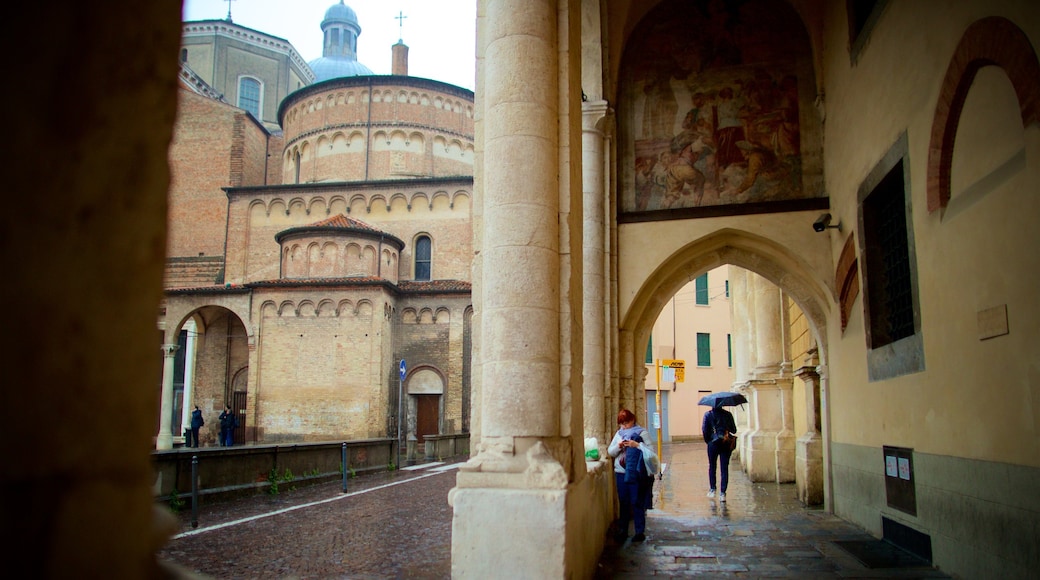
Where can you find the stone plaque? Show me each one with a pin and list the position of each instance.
(993, 322)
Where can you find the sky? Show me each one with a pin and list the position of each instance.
(440, 34)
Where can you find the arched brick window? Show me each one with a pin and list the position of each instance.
(990, 41)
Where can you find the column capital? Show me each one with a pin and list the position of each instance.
(807, 373)
(169, 350)
(593, 114)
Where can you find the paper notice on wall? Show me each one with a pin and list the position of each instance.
(668, 375)
(904, 468)
(890, 466)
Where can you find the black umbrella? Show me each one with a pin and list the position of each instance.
(723, 399)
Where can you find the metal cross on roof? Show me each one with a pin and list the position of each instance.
(229, 9)
(400, 24)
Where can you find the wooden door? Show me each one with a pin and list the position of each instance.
(427, 416)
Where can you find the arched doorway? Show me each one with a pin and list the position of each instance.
(425, 400)
(210, 370)
(777, 446)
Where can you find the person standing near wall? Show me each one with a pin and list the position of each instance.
(634, 467)
(227, 426)
(196, 423)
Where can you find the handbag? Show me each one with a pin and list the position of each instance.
(729, 441)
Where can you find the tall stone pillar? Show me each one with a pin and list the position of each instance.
(164, 439)
(738, 304)
(511, 501)
(594, 268)
(769, 334)
(785, 437)
(761, 457)
(738, 315)
(809, 447)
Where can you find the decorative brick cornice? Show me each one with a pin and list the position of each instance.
(207, 28)
(989, 41)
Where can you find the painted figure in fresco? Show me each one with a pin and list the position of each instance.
(688, 155)
(730, 128)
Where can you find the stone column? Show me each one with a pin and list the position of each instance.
(785, 437)
(764, 415)
(768, 331)
(740, 308)
(594, 269)
(164, 439)
(809, 447)
(511, 508)
(740, 329)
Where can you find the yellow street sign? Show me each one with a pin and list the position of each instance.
(678, 365)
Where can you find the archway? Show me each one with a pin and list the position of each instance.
(425, 388)
(209, 348)
(797, 456)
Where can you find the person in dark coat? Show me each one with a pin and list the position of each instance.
(227, 426)
(716, 424)
(196, 423)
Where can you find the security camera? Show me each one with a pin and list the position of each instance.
(823, 222)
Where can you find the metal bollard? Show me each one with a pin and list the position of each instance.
(194, 491)
(345, 470)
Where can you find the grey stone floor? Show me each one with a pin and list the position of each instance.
(761, 531)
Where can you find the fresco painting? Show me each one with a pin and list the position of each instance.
(715, 118)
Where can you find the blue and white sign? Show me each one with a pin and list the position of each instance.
(403, 369)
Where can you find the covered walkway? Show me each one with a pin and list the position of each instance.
(761, 531)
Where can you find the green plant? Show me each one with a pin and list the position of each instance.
(390, 466)
(272, 482)
(175, 501)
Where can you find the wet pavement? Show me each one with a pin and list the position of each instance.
(761, 531)
(398, 525)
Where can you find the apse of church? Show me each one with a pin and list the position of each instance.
(333, 245)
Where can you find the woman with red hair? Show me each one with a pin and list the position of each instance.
(635, 464)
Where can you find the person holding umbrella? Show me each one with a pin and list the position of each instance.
(719, 431)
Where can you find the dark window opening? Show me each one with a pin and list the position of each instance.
(422, 258)
(887, 253)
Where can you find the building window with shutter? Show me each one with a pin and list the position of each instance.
(701, 285)
(703, 349)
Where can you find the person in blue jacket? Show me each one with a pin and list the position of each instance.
(228, 422)
(716, 424)
(196, 423)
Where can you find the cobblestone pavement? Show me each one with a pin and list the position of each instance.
(398, 525)
(388, 525)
